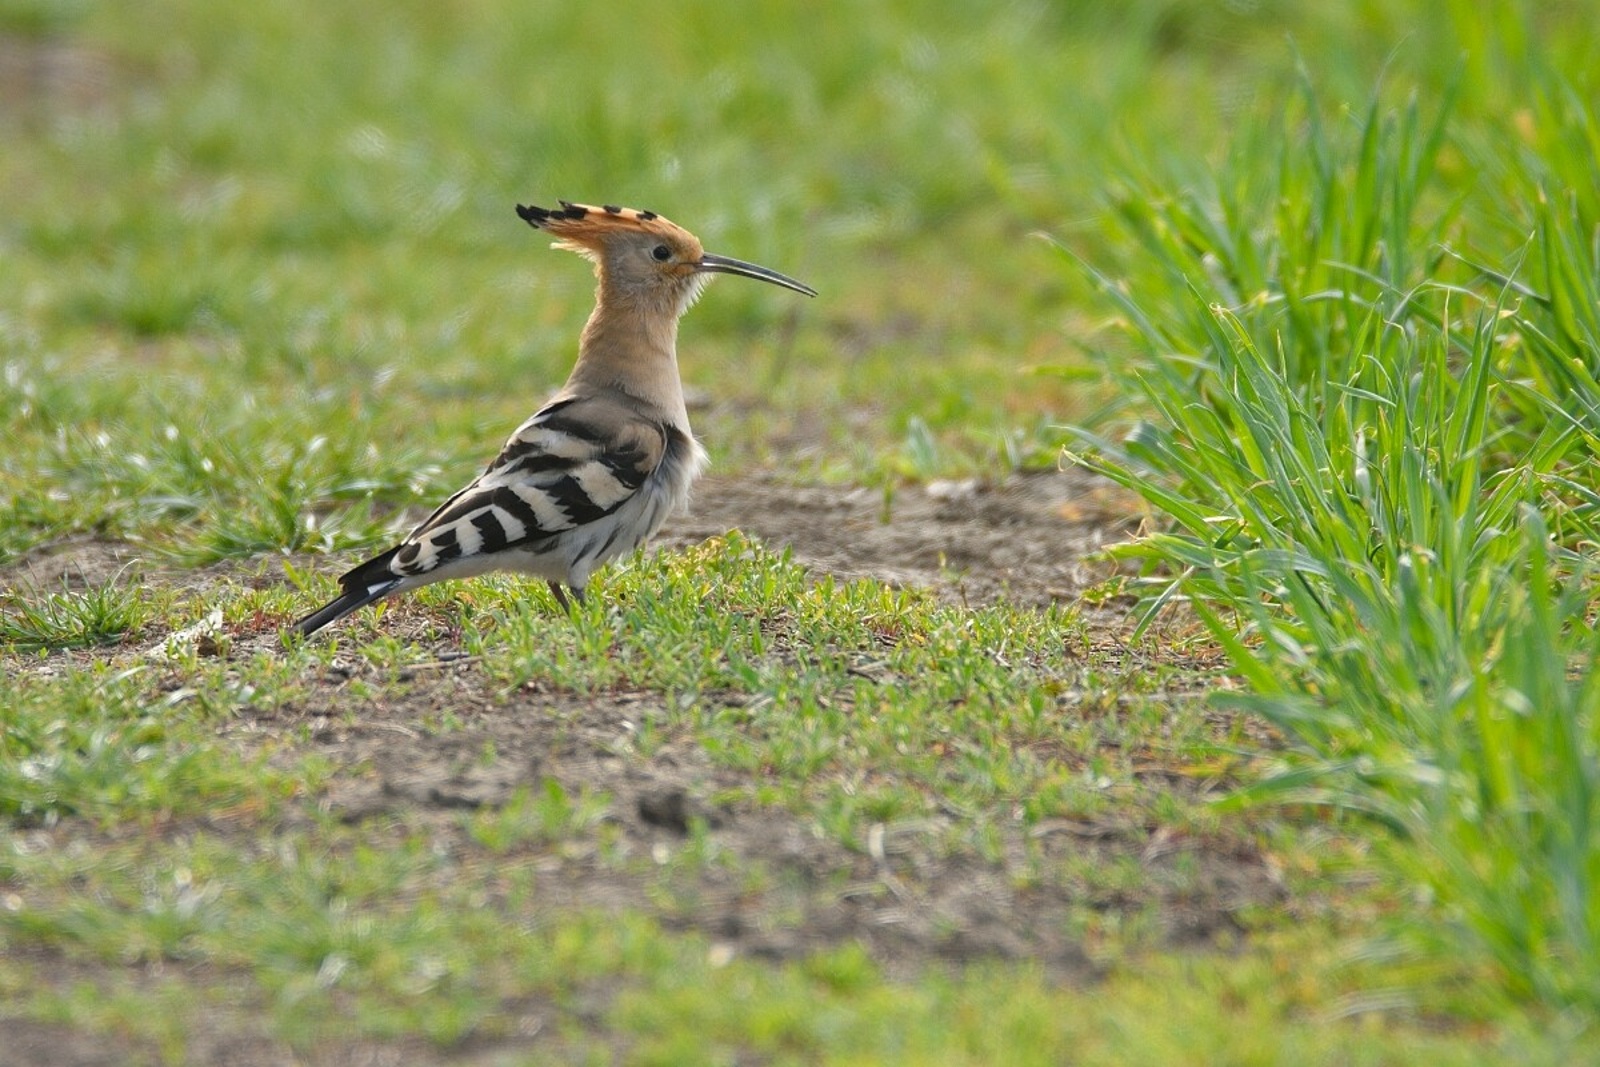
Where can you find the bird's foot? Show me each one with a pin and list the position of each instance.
(561, 597)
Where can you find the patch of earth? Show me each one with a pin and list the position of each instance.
(236, 1031)
(1026, 539)
(73, 565)
(907, 901)
(52, 74)
(908, 898)
(37, 1044)
(30, 1042)
(780, 889)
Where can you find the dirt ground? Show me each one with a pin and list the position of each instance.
(1027, 539)
(909, 899)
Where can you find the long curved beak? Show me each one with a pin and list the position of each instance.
(711, 264)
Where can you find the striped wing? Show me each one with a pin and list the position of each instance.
(572, 464)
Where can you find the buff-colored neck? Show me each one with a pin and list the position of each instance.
(631, 344)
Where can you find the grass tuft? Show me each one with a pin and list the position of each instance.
(1378, 474)
(102, 614)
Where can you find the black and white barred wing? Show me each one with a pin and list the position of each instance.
(577, 484)
(562, 471)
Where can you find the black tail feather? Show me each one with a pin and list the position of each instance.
(337, 609)
(369, 582)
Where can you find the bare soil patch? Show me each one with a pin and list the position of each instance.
(909, 902)
(904, 896)
(1026, 540)
(783, 890)
(74, 565)
(52, 75)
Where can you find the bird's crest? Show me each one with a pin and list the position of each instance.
(584, 228)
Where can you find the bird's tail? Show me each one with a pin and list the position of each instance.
(369, 582)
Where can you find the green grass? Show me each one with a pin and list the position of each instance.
(1378, 466)
(1335, 269)
(439, 965)
(424, 930)
(99, 615)
(106, 745)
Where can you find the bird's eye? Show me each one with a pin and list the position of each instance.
(662, 253)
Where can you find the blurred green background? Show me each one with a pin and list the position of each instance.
(283, 199)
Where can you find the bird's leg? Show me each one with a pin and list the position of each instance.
(561, 596)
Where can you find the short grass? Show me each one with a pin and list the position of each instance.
(261, 292)
(165, 871)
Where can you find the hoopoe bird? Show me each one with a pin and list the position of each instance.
(597, 470)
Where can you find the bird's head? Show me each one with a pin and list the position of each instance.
(641, 257)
